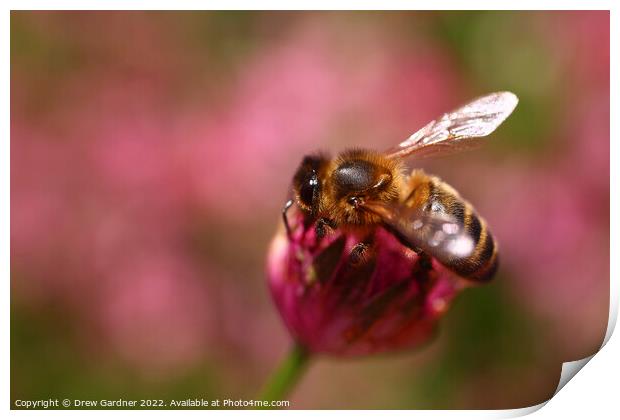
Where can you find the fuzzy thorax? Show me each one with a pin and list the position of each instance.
(355, 177)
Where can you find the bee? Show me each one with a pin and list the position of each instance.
(361, 190)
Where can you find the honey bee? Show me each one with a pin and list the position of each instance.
(361, 190)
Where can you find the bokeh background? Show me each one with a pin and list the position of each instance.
(151, 154)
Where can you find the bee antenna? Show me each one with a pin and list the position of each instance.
(287, 206)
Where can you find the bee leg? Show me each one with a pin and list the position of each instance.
(361, 252)
(322, 224)
(287, 206)
(424, 260)
(422, 270)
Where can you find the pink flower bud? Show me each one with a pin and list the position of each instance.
(391, 300)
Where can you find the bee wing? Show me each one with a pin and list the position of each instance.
(460, 129)
(437, 234)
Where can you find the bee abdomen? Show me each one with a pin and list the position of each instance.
(482, 264)
(433, 195)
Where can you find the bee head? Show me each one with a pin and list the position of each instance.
(307, 185)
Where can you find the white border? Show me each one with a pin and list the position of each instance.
(309, 5)
(595, 391)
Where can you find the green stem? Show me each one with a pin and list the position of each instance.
(286, 376)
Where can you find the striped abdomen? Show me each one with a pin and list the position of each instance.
(429, 193)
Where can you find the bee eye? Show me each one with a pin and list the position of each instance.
(309, 189)
(306, 182)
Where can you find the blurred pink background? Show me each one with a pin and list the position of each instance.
(151, 154)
